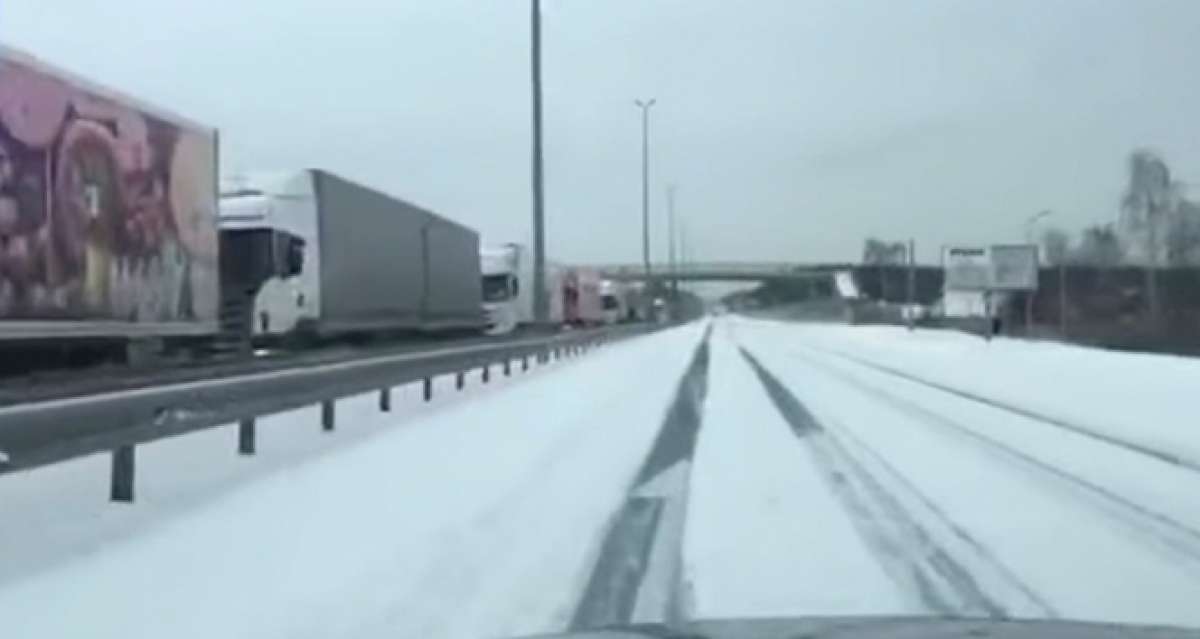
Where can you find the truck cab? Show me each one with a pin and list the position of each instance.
(273, 216)
(614, 302)
(506, 301)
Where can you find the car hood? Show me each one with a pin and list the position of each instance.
(883, 628)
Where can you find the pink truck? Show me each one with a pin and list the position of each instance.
(582, 298)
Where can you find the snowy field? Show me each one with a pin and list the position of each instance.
(836, 471)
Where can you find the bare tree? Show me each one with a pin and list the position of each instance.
(1056, 246)
(883, 254)
(1098, 246)
(1182, 241)
(879, 253)
(1148, 200)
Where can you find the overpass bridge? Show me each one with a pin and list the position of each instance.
(721, 271)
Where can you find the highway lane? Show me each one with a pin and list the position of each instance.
(972, 509)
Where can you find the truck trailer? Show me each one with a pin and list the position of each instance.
(108, 225)
(582, 303)
(371, 262)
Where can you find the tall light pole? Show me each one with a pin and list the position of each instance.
(645, 107)
(1033, 219)
(541, 307)
(1062, 292)
(674, 264)
(684, 255)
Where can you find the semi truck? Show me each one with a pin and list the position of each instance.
(108, 225)
(507, 271)
(582, 305)
(614, 301)
(371, 262)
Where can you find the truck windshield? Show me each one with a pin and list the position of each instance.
(495, 288)
(610, 302)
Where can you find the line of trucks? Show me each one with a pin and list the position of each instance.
(115, 226)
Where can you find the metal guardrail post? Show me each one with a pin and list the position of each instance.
(524, 363)
(427, 388)
(385, 400)
(487, 373)
(121, 480)
(327, 415)
(459, 380)
(246, 437)
(507, 367)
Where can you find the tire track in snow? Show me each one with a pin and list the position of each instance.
(1083, 431)
(636, 576)
(1161, 530)
(926, 554)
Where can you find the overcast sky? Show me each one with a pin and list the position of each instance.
(793, 128)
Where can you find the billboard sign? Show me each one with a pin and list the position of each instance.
(1001, 267)
(966, 268)
(1014, 267)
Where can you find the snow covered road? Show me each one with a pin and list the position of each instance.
(731, 468)
(969, 508)
(479, 519)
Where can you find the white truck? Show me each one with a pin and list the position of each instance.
(372, 263)
(507, 271)
(614, 301)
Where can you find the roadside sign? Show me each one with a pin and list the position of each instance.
(1001, 267)
(1014, 267)
(966, 268)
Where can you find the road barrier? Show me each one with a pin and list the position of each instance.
(48, 432)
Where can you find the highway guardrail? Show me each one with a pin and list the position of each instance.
(47, 432)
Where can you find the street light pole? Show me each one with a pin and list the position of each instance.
(674, 264)
(684, 254)
(645, 107)
(541, 307)
(1033, 220)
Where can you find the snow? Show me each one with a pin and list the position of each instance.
(475, 517)
(1139, 478)
(1084, 554)
(846, 287)
(1141, 398)
(482, 512)
(964, 304)
(65, 512)
(655, 596)
(764, 535)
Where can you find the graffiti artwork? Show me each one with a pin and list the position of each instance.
(106, 212)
